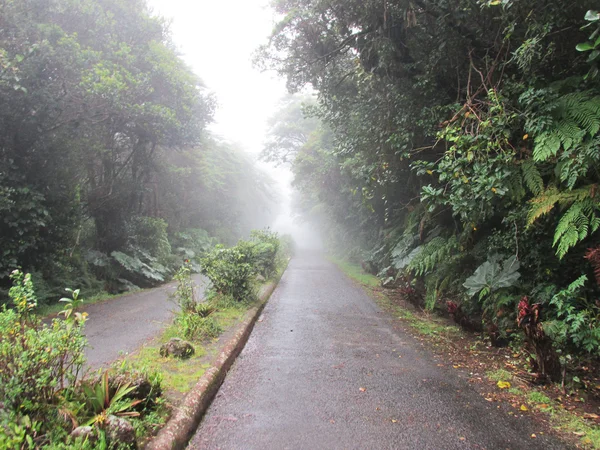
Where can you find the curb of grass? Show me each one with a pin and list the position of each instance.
(185, 420)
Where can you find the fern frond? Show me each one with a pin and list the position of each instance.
(543, 204)
(431, 254)
(531, 176)
(576, 115)
(575, 225)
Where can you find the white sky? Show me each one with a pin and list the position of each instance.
(217, 39)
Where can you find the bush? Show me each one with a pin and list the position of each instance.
(39, 368)
(266, 247)
(37, 361)
(231, 270)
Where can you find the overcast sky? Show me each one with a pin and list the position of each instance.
(217, 39)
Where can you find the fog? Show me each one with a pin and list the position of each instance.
(247, 98)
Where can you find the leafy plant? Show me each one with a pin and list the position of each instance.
(102, 404)
(493, 275)
(431, 254)
(575, 324)
(231, 270)
(54, 354)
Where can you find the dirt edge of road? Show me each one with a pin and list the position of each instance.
(187, 416)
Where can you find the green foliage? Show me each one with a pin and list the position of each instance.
(266, 248)
(102, 403)
(431, 254)
(194, 326)
(40, 365)
(231, 270)
(576, 321)
(436, 146)
(493, 275)
(17, 433)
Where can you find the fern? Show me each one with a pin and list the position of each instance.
(531, 176)
(576, 116)
(543, 204)
(547, 200)
(431, 254)
(575, 225)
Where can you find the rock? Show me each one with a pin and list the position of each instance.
(142, 387)
(260, 278)
(119, 431)
(178, 348)
(85, 434)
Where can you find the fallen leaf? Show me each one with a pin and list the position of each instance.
(579, 433)
(591, 416)
(503, 384)
(524, 408)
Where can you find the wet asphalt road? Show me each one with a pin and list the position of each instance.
(325, 368)
(121, 325)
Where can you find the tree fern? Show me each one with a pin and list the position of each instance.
(432, 253)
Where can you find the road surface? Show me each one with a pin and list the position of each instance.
(325, 368)
(121, 325)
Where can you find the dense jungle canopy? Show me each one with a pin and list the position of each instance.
(453, 147)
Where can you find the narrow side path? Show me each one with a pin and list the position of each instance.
(123, 324)
(325, 369)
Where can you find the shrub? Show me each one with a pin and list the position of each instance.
(266, 247)
(37, 361)
(231, 270)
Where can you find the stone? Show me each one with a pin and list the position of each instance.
(177, 348)
(85, 434)
(120, 432)
(260, 278)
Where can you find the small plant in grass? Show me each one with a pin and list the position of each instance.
(185, 294)
(102, 403)
(195, 327)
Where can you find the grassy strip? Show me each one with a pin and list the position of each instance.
(437, 331)
(179, 376)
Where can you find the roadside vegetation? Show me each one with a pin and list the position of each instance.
(47, 398)
(453, 152)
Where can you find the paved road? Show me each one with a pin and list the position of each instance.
(325, 368)
(123, 324)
